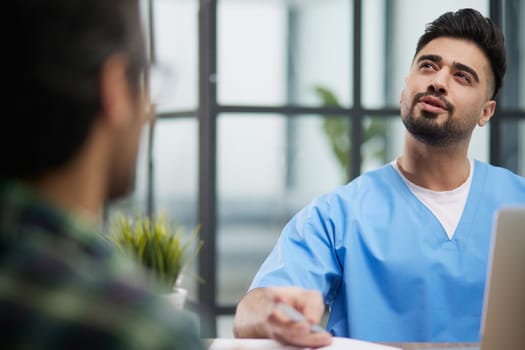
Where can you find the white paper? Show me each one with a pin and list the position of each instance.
(248, 344)
(268, 344)
(354, 344)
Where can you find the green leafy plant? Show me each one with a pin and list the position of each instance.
(163, 248)
(337, 129)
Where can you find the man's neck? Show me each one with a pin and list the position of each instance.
(434, 168)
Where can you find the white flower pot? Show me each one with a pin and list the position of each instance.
(177, 298)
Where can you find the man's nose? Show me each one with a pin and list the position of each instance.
(439, 83)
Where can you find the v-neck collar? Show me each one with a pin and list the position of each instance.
(467, 218)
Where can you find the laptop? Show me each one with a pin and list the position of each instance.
(503, 320)
(503, 323)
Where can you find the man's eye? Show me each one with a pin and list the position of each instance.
(463, 76)
(427, 65)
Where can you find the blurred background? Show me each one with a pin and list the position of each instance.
(264, 104)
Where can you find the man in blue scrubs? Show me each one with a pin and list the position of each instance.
(400, 253)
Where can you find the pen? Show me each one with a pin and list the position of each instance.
(296, 316)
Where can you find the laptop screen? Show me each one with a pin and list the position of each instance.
(503, 323)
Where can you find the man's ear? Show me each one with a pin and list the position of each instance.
(487, 112)
(115, 98)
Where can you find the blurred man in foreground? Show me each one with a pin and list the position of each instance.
(76, 108)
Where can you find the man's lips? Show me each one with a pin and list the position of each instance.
(432, 104)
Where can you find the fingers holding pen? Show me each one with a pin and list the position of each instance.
(309, 303)
(295, 316)
(298, 333)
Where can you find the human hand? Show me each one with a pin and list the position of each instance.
(299, 328)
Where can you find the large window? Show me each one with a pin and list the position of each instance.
(269, 103)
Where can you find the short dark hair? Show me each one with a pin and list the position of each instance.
(55, 52)
(471, 25)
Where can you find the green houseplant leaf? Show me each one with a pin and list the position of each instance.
(337, 130)
(163, 248)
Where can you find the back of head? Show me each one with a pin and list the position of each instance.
(471, 25)
(57, 49)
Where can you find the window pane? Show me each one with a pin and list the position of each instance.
(268, 168)
(320, 50)
(225, 327)
(378, 133)
(176, 43)
(373, 56)
(513, 145)
(175, 168)
(480, 144)
(175, 174)
(278, 51)
(395, 138)
(513, 91)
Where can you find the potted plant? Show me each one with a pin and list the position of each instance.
(163, 248)
(337, 130)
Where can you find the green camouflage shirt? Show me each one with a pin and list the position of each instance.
(63, 286)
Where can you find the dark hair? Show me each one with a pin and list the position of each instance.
(471, 25)
(55, 52)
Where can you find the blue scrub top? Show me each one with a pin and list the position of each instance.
(385, 265)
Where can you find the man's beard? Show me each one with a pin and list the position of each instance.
(123, 188)
(428, 130)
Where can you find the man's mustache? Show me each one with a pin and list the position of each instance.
(449, 106)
